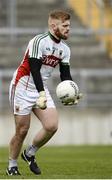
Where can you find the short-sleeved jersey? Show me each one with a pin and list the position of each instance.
(50, 52)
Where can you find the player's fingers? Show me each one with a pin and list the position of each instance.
(68, 103)
(71, 103)
(76, 102)
(80, 95)
(64, 103)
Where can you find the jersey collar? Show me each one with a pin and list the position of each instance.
(53, 38)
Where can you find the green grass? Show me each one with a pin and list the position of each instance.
(66, 162)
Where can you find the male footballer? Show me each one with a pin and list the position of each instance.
(29, 93)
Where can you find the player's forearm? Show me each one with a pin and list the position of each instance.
(35, 66)
(65, 72)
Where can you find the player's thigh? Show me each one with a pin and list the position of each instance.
(48, 117)
(22, 123)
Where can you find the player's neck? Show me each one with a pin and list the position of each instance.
(53, 37)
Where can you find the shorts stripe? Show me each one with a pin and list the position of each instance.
(12, 96)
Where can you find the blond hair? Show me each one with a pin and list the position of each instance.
(59, 14)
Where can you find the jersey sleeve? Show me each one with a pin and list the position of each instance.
(66, 58)
(36, 48)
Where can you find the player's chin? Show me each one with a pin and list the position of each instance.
(65, 37)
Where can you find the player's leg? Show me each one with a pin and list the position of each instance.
(21, 109)
(49, 120)
(22, 123)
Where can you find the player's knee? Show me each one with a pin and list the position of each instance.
(23, 132)
(52, 128)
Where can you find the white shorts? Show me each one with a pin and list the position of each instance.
(22, 101)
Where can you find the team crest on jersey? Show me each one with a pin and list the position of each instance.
(60, 53)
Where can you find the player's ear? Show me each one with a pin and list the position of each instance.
(53, 26)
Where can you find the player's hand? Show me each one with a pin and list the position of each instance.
(41, 101)
(73, 101)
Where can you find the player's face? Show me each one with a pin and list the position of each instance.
(62, 29)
